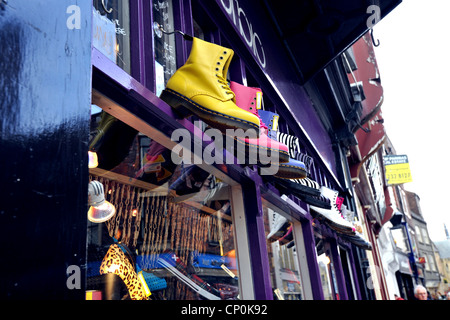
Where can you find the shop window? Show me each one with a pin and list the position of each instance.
(165, 50)
(111, 31)
(284, 268)
(347, 270)
(326, 269)
(171, 230)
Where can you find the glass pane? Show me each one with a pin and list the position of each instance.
(172, 223)
(400, 239)
(326, 270)
(111, 31)
(165, 54)
(284, 269)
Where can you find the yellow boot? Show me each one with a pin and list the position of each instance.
(200, 87)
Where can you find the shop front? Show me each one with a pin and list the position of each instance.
(176, 207)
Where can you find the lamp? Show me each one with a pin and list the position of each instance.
(100, 210)
(93, 159)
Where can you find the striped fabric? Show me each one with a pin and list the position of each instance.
(293, 144)
(307, 182)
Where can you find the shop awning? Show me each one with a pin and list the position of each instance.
(315, 32)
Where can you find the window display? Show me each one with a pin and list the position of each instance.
(284, 268)
(111, 31)
(170, 233)
(165, 50)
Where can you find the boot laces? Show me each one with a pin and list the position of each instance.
(224, 84)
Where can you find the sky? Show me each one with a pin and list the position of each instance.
(414, 64)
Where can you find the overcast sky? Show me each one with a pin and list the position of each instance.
(414, 63)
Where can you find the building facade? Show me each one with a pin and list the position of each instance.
(188, 216)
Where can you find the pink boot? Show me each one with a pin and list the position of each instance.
(248, 98)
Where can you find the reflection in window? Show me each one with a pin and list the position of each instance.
(284, 269)
(172, 232)
(111, 31)
(165, 53)
(426, 237)
(400, 239)
(326, 270)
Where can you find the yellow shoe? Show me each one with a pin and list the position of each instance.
(200, 87)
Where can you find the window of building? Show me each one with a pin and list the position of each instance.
(431, 262)
(418, 234)
(111, 31)
(166, 228)
(425, 236)
(165, 50)
(284, 267)
(400, 239)
(326, 269)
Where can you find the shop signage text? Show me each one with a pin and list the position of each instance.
(397, 169)
(241, 22)
(220, 149)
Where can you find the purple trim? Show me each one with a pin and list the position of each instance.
(136, 33)
(257, 240)
(313, 266)
(337, 264)
(354, 274)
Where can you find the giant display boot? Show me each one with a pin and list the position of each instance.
(293, 169)
(249, 99)
(200, 87)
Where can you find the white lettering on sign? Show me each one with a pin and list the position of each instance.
(241, 22)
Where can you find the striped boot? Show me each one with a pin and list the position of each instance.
(293, 169)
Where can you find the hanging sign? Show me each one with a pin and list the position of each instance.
(421, 260)
(397, 169)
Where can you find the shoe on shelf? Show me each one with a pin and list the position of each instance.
(332, 217)
(200, 87)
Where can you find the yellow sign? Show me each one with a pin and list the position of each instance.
(397, 169)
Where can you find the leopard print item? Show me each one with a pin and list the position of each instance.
(116, 262)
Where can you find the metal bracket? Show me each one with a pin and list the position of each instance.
(376, 44)
(159, 30)
(106, 9)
